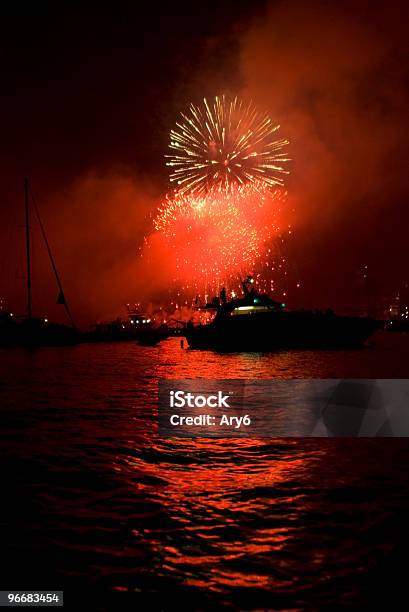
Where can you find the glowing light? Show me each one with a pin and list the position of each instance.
(220, 235)
(223, 220)
(225, 142)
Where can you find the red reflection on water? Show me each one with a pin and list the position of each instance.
(226, 485)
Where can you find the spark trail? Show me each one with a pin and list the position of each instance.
(225, 142)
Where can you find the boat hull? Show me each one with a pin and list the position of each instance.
(36, 333)
(281, 331)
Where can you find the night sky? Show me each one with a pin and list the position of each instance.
(89, 94)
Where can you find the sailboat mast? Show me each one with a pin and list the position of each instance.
(28, 258)
(61, 296)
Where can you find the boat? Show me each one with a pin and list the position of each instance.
(151, 336)
(35, 332)
(27, 330)
(257, 323)
(133, 327)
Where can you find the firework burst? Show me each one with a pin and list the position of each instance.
(220, 235)
(225, 142)
(224, 218)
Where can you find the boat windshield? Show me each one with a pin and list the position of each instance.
(242, 310)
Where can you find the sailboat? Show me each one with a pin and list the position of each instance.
(29, 330)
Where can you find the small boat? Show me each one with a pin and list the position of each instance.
(151, 336)
(136, 324)
(35, 332)
(256, 323)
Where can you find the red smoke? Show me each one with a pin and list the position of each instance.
(334, 76)
(95, 228)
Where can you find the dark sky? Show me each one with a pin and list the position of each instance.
(89, 94)
(103, 86)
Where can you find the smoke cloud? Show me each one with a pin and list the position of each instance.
(336, 80)
(334, 75)
(96, 228)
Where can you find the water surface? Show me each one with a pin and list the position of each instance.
(94, 502)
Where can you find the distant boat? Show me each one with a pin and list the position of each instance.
(155, 334)
(28, 330)
(256, 323)
(133, 327)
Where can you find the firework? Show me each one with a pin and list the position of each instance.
(225, 142)
(220, 235)
(223, 220)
